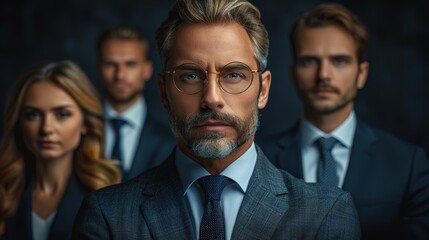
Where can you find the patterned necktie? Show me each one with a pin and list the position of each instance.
(327, 167)
(213, 224)
(117, 124)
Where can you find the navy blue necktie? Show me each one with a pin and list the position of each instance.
(117, 153)
(213, 223)
(327, 167)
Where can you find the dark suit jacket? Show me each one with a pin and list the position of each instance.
(20, 225)
(387, 178)
(275, 206)
(425, 147)
(155, 144)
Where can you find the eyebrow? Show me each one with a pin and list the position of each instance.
(347, 57)
(330, 55)
(341, 55)
(54, 108)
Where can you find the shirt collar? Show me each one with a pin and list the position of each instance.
(240, 170)
(134, 116)
(343, 133)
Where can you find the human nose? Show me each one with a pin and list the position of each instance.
(325, 71)
(120, 71)
(47, 126)
(212, 93)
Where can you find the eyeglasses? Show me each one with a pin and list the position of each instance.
(234, 78)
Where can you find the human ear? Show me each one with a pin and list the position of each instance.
(265, 89)
(147, 70)
(363, 74)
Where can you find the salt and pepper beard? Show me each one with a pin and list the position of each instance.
(212, 145)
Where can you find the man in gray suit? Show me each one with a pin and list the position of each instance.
(133, 135)
(217, 184)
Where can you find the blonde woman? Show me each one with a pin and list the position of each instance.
(52, 152)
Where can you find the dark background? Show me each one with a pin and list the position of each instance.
(395, 98)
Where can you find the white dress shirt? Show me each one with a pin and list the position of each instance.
(341, 151)
(135, 117)
(240, 171)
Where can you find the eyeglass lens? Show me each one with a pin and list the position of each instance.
(234, 78)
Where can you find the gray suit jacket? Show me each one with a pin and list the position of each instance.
(275, 206)
(387, 178)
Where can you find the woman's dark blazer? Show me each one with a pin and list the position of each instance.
(20, 225)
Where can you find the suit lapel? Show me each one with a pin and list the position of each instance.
(148, 149)
(67, 210)
(144, 149)
(264, 204)
(360, 161)
(289, 157)
(20, 225)
(163, 194)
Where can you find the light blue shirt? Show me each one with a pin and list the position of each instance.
(240, 171)
(135, 117)
(42, 227)
(341, 151)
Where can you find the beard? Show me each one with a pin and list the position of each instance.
(116, 98)
(213, 145)
(344, 99)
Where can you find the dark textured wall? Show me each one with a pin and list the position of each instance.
(395, 98)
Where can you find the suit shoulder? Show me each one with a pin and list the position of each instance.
(128, 189)
(275, 142)
(118, 190)
(276, 137)
(380, 133)
(301, 191)
(390, 141)
(157, 125)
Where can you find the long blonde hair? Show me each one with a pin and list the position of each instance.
(91, 166)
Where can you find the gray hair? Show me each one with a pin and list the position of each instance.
(212, 12)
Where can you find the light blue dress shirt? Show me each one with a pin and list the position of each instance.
(135, 117)
(42, 227)
(341, 151)
(240, 171)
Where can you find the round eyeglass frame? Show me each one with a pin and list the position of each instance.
(172, 72)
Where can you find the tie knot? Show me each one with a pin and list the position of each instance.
(118, 123)
(213, 186)
(326, 144)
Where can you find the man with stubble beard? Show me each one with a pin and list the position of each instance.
(387, 178)
(133, 136)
